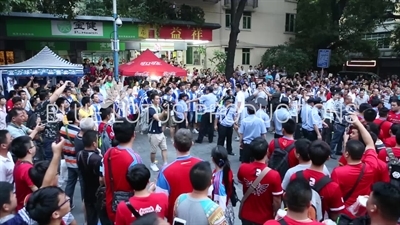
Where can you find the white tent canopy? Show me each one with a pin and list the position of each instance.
(45, 63)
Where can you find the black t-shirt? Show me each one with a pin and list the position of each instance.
(89, 162)
(156, 126)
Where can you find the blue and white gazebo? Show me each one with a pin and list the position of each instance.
(46, 63)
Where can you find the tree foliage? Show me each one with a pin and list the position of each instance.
(219, 61)
(293, 59)
(339, 25)
(150, 11)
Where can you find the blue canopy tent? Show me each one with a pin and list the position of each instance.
(44, 64)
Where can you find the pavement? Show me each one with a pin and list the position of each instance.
(203, 151)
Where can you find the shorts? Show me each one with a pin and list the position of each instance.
(157, 141)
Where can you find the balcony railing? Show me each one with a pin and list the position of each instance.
(250, 4)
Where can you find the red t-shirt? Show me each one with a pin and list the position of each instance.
(121, 160)
(258, 206)
(283, 143)
(390, 142)
(331, 195)
(347, 175)
(155, 202)
(9, 104)
(384, 156)
(290, 221)
(384, 128)
(174, 180)
(22, 182)
(109, 130)
(393, 117)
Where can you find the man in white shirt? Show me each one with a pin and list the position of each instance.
(239, 105)
(361, 98)
(328, 116)
(6, 160)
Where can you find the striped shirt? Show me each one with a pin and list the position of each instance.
(69, 132)
(96, 111)
(192, 105)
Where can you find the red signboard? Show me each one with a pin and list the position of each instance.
(185, 33)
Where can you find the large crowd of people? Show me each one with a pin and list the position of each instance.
(89, 128)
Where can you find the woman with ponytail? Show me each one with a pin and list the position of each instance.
(222, 183)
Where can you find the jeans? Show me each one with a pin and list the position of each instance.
(337, 139)
(48, 152)
(73, 175)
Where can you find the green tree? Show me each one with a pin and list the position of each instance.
(293, 59)
(340, 26)
(236, 14)
(219, 61)
(64, 8)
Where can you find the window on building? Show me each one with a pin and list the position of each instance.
(246, 20)
(193, 56)
(290, 22)
(245, 56)
(228, 19)
(382, 39)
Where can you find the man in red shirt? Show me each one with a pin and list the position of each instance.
(331, 195)
(9, 104)
(384, 125)
(117, 161)
(174, 179)
(24, 149)
(356, 178)
(382, 155)
(297, 197)
(394, 113)
(391, 141)
(288, 129)
(144, 201)
(264, 202)
(105, 114)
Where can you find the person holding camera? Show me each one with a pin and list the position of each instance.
(157, 116)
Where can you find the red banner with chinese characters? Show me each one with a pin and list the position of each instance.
(185, 33)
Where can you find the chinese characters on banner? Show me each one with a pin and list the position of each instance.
(76, 28)
(185, 33)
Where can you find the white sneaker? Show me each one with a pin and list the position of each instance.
(195, 131)
(237, 139)
(154, 167)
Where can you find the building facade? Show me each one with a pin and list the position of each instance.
(265, 23)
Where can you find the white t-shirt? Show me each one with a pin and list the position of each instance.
(6, 168)
(240, 98)
(297, 168)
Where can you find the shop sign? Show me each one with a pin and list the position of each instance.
(45, 28)
(76, 28)
(157, 46)
(103, 46)
(53, 45)
(185, 33)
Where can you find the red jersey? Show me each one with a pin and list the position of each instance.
(23, 182)
(390, 142)
(384, 128)
(393, 117)
(290, 221)
(174, 180)
(121, 159)
(258, 206)
(109, 130)
(347, 175)
(155, 202)
(331, 195)
(283, 143)
(9, 104)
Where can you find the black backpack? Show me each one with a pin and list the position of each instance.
(394, 168)
(279, 160)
